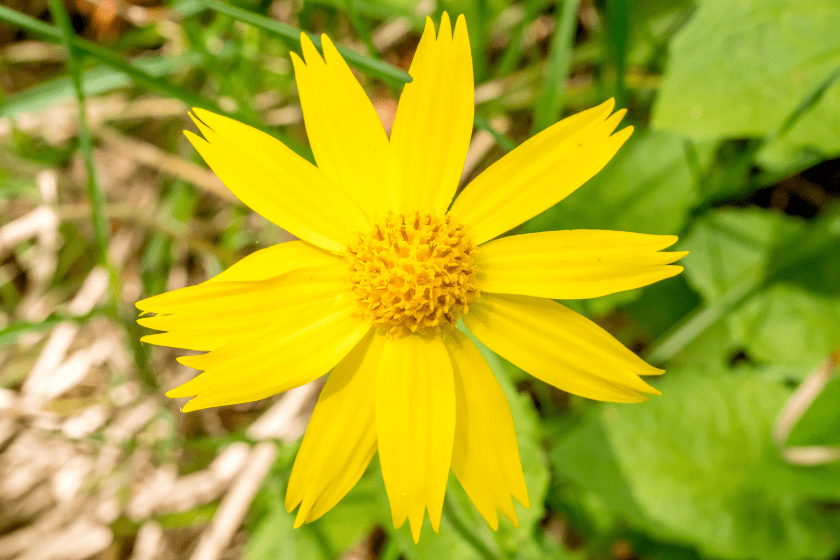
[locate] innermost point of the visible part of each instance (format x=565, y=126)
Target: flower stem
x=466, y=532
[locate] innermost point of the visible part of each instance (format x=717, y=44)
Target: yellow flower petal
x=485, y=457
x=539, y=173
x=415, y=424
x=560, y=347
x=212, y=314
x=574, y=264
x=276, y=260
x=276, y=182
x=344, y=131
x=340, y=439
x=434, y=119
x=291, y=352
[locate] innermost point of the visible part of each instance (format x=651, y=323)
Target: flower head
x=385, y=267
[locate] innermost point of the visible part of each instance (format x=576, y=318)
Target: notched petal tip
x=310, y=52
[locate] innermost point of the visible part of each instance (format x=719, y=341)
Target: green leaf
x=811, y=140
x=772, y=278
x=820, y=425
x=730, y=245
x=785, y=324
x=740, y=69
x=648, y=187
x=709, y=476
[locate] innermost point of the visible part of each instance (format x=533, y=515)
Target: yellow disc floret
x=413, y=273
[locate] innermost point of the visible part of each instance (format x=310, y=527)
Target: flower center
x=413, y=273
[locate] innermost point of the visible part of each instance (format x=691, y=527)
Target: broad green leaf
x=811, y=140
x=786, y=271
x=727, y=246
x=697, y=466
x=820, y=425
x=740, y=69
x=785, y=324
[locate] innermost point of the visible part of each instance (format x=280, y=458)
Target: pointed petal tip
x=178, y=393
x=192, y=406
x=297, y=62
x=300, y=519
x=415, y=530
x=188, y=361
x=195, y=139
x=290, y=504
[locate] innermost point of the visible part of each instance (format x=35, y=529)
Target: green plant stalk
x=99, y=219
x=513, y=50
x=365, y=64
x=502, y=140
x=550, y=102
x=146, y=80
x=465, y=532
x=361, y=28
x=383, y=70
x=477, y=18
x=107, y=56
x=616, y=38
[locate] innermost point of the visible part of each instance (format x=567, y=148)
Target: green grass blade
x=805, y=105
x=618, y=31
x=101, y=225
x=361, y=62
x=550, y=102
x=513, y=50
x=142, y=78
x=107, y=56
x=477, y=24
x=700, y=321
x=361, y=28
x=95, y=81
x=503, y=141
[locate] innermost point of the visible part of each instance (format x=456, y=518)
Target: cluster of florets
x=413, y=273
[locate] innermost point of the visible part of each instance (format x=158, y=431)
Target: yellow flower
x=384, y=269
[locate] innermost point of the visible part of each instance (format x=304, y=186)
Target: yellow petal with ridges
x=574, y=264
x=434, y=120
x=238, y=311
x=344, y=131
x=415, y=425
x=277, y=183
x=560, y=347
x=485, y=457
x=340, y=439
x=216, y=312
x=539, y=173
x=276, y=260
x=293, y=351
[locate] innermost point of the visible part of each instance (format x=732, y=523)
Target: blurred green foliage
x=736, y=106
